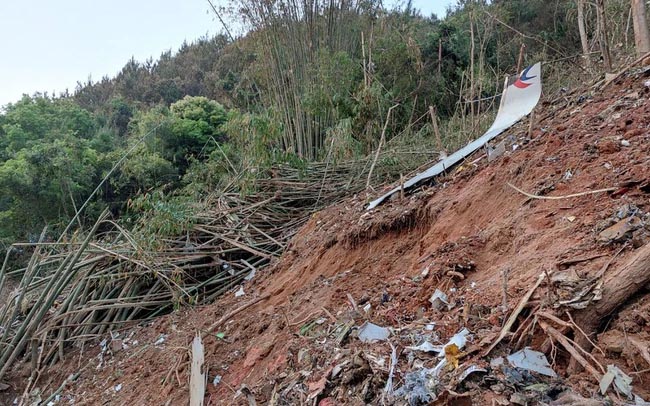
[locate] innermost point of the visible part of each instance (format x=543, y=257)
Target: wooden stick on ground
x=515, y=313
x=381, y=144
x=625, y=69
x=229, y=315
x=559, y=337
x=197, y=373
x=590, y=192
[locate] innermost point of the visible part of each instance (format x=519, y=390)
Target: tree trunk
x=641, y=33
x=618, y=287
x=583, y=32
x=602, y=34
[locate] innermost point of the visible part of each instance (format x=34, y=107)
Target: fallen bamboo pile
x=79, y=290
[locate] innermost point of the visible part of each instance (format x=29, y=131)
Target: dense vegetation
x=310, y=81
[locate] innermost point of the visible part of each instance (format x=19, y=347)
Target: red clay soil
x=459, y=236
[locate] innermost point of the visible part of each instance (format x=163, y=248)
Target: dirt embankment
x=471, y=236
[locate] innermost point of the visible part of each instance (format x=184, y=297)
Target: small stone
x=608, y=146
x=635, y=132
x=303, y=357
x=625, y=143
x=498, y=388
x=116, y=345
x=518, y=399
x=620, y=231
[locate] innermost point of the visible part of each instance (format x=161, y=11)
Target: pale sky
x=48, y=45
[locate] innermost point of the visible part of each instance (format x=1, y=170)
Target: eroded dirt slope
x=299, y=343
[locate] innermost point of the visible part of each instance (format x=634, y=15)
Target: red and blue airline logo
x=521, y=82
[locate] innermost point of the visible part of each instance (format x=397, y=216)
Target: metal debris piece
x=161, y=339
x=426, y=346
x=515, y=104
x=370, y=332
x=240, y=292
x=460, y=339
x=439, y=301
x=621, y=381
x=451, y=351
x=419, y=387
x=496, y=151
x=471, y=370
x=388, y=389
x=532, y=361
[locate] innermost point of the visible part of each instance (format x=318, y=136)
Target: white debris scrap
x=370, y=332
x=621, y=381
x=532, y=361
x=427, y=347
x=439, y=301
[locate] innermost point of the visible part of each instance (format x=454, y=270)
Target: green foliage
x=34, y=120
x=158, y=215
x=41, y=184
x=292, y=90
x=195, y=128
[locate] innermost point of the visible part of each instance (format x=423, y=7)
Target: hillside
x=209, y=226
x=293, y=337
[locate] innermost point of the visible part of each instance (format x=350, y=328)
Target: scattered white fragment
x=51, y=403
x=118, y=387
x=430, y=326
x=460, y=339
x=625, y=143
x=620, y=379
x=425, y=271
x=532, y=361
x=472, y=369
x=216, y=380
x=388, y=389
x=439, y=300
x=472, y=285
x=240, y=292
x=427, y=347
x=370, y=332
x=568, y=174
x=367, y=307
x=496, y=362
x=161, y=339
